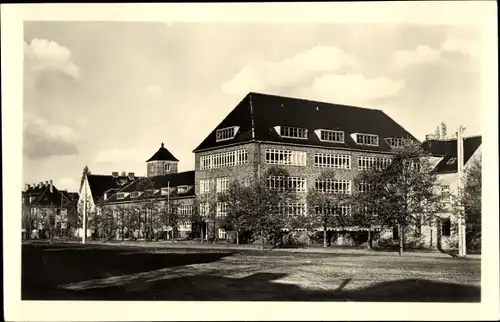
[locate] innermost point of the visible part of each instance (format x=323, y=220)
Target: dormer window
x=166, y=191
x=120, y=195
x=397, y=142
x=366, y=139
x=227, y=133
x=149, y=192
x=452, y=161
x=134, y=194
x=331, y=136
x=291, y=132
x=182, y=189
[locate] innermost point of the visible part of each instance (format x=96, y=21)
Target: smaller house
x=47, y=210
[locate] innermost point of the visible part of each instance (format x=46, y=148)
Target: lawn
x=92, y=272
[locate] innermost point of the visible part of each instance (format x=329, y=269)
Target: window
x=293, y=209
x=134, y=194
x=332, y=161
x=221, y=209
x=296, y=184
x=182, y=189
x=367, y=139
x=120, y=195
x=166, y=191
x=205, y=186
x=226, y=133
x=365, y=163
x=222, y=234
x=332, y=136
x=363, y=187
x=286, y=157
x=149, y=192
x=292, y=132
x=167, y=167
x=333, y=186
x=446, y=227
x=222, y=160
x=452, y=161
x=343, y=211
x=204, y=209
x=222, y=184
x=185, y=210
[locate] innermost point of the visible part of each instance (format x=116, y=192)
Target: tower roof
x=162, y=155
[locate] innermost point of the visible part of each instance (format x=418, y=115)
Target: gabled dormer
x=291, y=132
x=227, y=133
x=365, y=139
x=332, y=136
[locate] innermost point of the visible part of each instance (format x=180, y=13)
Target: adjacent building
x=305, y=137
x=47, y=209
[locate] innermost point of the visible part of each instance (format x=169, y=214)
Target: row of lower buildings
x=302, y=136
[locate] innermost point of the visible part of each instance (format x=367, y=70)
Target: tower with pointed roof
x=161, y=163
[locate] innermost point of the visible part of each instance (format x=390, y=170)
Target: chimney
x=115, y=174
x=51, y=187
x=131, y=176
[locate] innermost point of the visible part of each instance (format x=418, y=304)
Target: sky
x=107, y=94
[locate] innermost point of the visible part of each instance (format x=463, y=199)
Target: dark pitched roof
x=173, y=180
x=448, y=150
x=45, y=198
x=100, y=183
x=162, y=155
x=269, y=111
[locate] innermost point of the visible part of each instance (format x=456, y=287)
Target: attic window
x=397, y=142
x=332, y=136
x=227, y=133
x=134, y=194
x=166, y=191
x=292, y=132
x=120, y=195
x=182, y=189
x=149, y=192
x=452, y=161
x=367, y=139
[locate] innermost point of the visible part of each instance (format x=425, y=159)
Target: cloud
x=47, y=55
x=67, y=183
x=289, y=72
x=118, y=155
x=463, y=46
x=81, y=121
x=421, y=55
x=351, y=89
x=43, y=139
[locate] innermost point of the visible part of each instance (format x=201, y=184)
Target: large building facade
x=304, y=137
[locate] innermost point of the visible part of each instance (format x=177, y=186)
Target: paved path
x=318, y=250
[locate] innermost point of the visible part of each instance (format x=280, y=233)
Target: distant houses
x=48, y=212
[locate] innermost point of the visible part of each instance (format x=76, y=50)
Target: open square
x=97, y=272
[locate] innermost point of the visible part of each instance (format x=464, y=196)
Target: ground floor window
x=395, y=233
x=222, y=234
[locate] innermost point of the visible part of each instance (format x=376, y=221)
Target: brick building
x=163, y=188
x=304, y=137
x=45, y=206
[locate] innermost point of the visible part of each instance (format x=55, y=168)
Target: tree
x=325, y=207
x=147, y=205
x=405, y=192
x=236, y=217
x=208, y=202
x=265, y=205
x=471, y=201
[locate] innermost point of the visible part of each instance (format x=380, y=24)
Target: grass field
x=92, y=272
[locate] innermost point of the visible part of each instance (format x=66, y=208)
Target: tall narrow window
x=446, y=227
